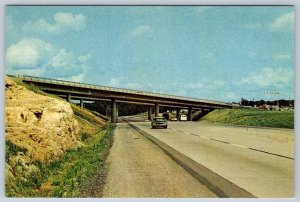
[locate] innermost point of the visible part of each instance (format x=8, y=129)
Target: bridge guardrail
x=123, y=90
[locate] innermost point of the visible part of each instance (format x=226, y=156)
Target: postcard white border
x=3, y=3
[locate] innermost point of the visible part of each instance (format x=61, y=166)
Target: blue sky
x=210, y=52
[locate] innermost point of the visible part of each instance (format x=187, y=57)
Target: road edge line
x=214, y=182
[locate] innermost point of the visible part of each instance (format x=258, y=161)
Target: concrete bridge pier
x=156, y=110
x=69, y=97
x=189, y=117
x=106, y=109
x=149, y=113
x=81, y=103
x=113, y=111
x=177, y=114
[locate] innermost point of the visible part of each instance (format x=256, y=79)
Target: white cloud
x=62, y=59
x=76, y=78
x=282, y=56
x=197, y=85
x=66, y=64
x=27, y=53
x=76, y=21
x=283, y=22
x=142, y=29
x=114, y=82
x=269, y=77
x=62, y=22
x=134, y=86
x=39, y=58
x=84, y=58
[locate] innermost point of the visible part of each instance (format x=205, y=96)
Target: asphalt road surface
x=258, y=160
x=139, y=168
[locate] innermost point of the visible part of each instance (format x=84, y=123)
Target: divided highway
x=259, y=161
x=138, y=168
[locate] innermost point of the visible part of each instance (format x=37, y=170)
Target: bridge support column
x=156, y=110
x=69, y=98
x=113, y=111
x=177, y=114
x=189, y=118
x=81, y=103
x=106, y=109
x=149, y=113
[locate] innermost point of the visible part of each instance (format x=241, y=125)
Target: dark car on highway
x=159, y=122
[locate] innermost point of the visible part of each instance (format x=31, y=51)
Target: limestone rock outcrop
x=43, y=125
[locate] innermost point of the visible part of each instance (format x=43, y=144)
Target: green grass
x=87, y=114
x=65, y=176
x=34, y=88
x=12, y=150
x=251, y=117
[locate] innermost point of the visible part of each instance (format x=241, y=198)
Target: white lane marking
x=239, y=145
x=204, y=137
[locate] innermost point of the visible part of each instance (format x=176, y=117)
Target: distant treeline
x=280, y=103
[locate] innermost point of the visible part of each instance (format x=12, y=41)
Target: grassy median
x=252, y=117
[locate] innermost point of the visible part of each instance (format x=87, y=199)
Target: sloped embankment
x=50, y=151
x=251, y=117
x=42, y=125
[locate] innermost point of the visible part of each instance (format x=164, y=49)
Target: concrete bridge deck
x=82, y=91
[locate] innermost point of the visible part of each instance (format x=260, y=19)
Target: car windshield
x=159, y=119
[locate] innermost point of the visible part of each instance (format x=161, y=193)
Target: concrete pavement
x=139, y=168
x=225, y=151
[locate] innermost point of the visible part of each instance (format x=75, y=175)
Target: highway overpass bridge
x=88, y=92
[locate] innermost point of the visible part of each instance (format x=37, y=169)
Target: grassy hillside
x=251, y=117
x=68, y=174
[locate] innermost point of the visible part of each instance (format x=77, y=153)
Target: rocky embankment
x=40, y=127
